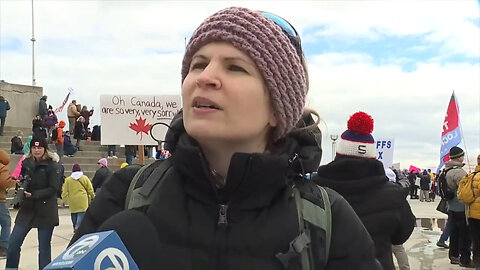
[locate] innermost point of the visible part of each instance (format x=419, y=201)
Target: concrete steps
x=91, y=152
x=84, y=145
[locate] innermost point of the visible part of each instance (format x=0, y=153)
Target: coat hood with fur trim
x=51, y=155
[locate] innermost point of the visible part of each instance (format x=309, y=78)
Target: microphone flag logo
x=96, y=251
x=112, y=255
x=81, y=247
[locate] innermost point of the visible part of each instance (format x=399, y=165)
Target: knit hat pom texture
x=360, y=123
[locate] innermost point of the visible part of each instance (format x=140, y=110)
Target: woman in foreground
x=243, y=141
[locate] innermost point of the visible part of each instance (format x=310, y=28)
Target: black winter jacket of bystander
x=41, y=209
x=100, y=176
x=380, y=204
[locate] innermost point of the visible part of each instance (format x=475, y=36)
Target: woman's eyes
x=236, y=68
x=199, y=65
x=230, y=67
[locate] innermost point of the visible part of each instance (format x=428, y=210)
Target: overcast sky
x=398, y=61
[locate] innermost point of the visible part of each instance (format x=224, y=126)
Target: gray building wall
x=23, y=100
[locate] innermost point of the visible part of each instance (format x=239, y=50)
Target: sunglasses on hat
x=284, y=24
x=287, y=28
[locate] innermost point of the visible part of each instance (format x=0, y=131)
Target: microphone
x=126, y=241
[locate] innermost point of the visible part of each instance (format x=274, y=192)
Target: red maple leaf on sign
x=141, y=126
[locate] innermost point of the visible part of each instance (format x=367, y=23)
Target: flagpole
x=461, y=131
x=33, y=49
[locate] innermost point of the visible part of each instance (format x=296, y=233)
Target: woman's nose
x=209, y=77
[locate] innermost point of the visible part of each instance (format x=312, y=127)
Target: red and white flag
x=59, y=109
x=451, y=135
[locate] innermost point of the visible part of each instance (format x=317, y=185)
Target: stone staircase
x=91, y=152
x=87, y=158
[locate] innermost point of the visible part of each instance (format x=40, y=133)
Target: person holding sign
x=234, y=193
x=72, y=114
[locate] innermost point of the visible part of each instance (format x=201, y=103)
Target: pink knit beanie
x=272, y=51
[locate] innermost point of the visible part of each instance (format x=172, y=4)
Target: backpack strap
x=302, y=242
x=133, y=184
x=320, y=217
x=317, y=216
x=328, y=215
x=141, y=196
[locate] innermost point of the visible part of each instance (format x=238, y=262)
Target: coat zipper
x=222, y=216
x=221, y=236
x=221, y=232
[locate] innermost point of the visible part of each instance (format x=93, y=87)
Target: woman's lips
x=204, y=104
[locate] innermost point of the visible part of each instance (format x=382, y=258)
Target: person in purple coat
x=50, y=123
x=86, y=115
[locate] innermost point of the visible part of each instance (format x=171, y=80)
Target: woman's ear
x=273, y=120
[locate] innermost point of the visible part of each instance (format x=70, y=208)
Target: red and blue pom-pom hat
x=357, y=140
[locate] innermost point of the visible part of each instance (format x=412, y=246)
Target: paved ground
x=422, y=251
x=60, y=239
x=421, y=248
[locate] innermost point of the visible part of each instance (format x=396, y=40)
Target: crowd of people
x=41, y=179
x=462, y=225
x=463, y=215
x=45, y=124
x=234, y=190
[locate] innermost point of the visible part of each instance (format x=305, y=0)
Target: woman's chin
x=201, y=132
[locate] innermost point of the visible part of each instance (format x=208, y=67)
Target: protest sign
x=127, y=119
x=385, y=151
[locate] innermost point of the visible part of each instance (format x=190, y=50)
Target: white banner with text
x=385, y=151
x=128, y=119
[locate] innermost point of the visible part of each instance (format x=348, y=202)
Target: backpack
x=446, y=193
x=54, y=135
x=465, y=192
x=312, y=201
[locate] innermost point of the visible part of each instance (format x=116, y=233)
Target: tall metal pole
x=334, y=148
x=33, y=49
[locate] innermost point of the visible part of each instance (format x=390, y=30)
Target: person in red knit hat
x=360, y=178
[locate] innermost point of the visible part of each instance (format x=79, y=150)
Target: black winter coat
x=425, y=182
x=17, y=145
x=38, y=128
x=79, y=131
x=261, y=219
x=96, y=133
x=100, y=176
x=130, y=150
x=412, y=177
x=380, y=204
x=42, y=107
x=40, y=210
